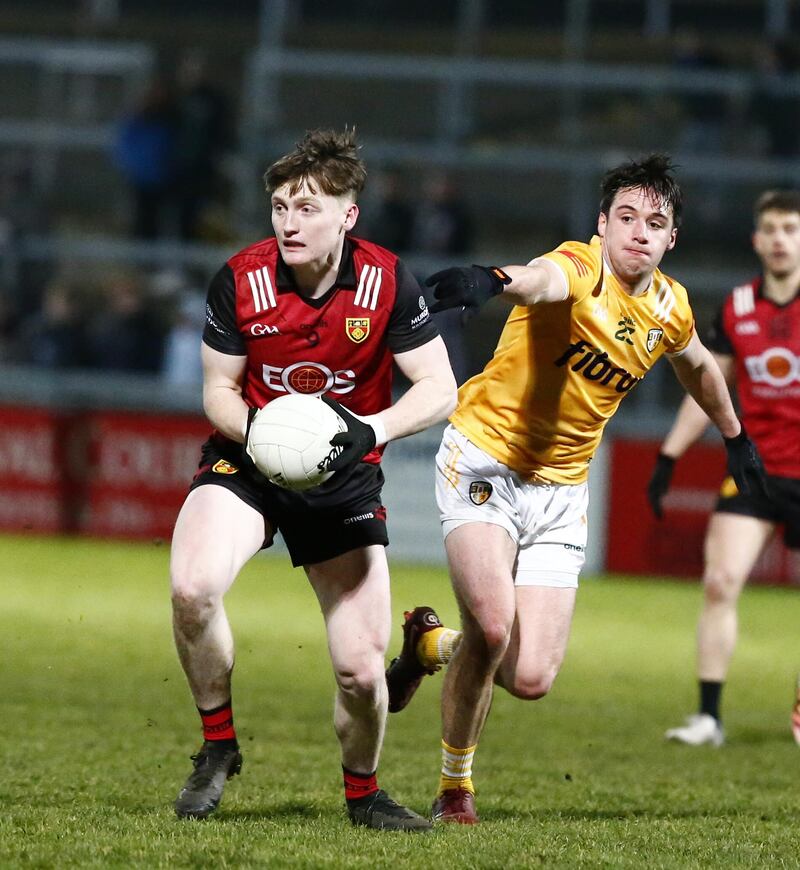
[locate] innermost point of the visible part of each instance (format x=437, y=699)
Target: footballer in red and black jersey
x=340, y=344
x=764, y=340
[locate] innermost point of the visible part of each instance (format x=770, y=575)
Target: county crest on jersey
x=561, y=369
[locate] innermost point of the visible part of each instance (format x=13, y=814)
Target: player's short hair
x=325, y=160
x=776, y=200
x=653, y=174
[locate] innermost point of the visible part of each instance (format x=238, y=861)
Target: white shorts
x=547, y=521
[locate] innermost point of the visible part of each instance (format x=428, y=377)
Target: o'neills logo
x=595, y=365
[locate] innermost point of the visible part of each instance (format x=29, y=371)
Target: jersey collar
x=345, y=277
x=608, y=273
x=758, y=292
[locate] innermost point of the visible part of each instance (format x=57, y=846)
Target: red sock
x=218, y=723
x=359, y=785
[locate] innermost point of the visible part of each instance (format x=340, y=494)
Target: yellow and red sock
x=218, y=723
x=359, y=785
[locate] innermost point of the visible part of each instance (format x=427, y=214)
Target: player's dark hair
x=326, y=161
x=653, y=174
x=777, y=200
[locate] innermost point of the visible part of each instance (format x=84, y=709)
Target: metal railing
x=270, y=125
x=64, y=114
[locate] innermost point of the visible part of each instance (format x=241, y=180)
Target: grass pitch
x=98, y=725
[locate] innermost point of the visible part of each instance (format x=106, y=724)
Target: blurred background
x=133, y=137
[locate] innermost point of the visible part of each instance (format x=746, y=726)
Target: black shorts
x=782, y=506
x=343, y=514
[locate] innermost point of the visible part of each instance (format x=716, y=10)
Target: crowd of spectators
x=169, y=150
x=112, y=320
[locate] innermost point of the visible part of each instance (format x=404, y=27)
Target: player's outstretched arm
x=472, y=286
x=223, y=375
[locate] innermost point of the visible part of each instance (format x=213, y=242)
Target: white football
x=289, y=441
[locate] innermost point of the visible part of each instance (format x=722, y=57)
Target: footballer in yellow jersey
x=560, y=370
x=589, y=321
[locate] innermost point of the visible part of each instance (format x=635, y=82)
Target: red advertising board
x=99, y=473
x=639, y=544
x=31, y=482
x=140, y=466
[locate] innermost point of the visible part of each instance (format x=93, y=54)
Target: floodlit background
x=133, y=137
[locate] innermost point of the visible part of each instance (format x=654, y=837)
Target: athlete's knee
x=362, y=679
x=490, y=636
x=530, y=685
x=721, y=585
x=195, y=598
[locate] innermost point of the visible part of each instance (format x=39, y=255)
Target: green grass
x=98, y=725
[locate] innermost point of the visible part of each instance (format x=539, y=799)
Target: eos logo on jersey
x=595, y=365
x=776, y=366
x=259, y=329
x=310, y=378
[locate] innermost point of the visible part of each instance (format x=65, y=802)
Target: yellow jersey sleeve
x=580, y=264
x=561, y=369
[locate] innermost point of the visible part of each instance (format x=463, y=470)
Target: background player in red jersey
x=316, y=311
x=756, y=340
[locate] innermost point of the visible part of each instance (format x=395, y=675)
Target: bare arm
x=704, y=377
x=431, y=396
x=541, y=281
x=691, y=420
x=429, y=399
x=225, y=408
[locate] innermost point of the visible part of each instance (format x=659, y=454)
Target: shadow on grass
x=761, y=736
x=286, y=811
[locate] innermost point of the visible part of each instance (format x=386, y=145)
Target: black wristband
x=736, y=439
x=663, y=459
x=501, y=276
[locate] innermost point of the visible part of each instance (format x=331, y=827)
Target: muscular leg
x=353, y=592
x=538, y=640
x=481, y=558
x=733, y=544
x=215, y=534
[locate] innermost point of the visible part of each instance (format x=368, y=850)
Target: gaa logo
x=308, y=378
x=480, y=491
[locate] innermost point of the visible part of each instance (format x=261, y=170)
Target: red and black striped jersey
x=341, y=344
x=764, y=340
